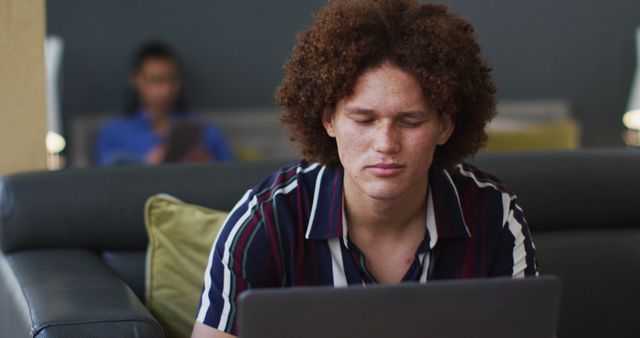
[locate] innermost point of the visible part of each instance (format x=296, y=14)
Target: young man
x=386, y=98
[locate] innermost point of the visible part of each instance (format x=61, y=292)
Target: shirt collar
x=445, y=218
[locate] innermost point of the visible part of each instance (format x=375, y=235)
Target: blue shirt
x=290, y=230
x=128, y=140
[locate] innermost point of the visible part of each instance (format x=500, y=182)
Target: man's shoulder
x=288, y=178
x=465, y=174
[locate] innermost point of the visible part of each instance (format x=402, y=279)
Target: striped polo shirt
x=290, y=230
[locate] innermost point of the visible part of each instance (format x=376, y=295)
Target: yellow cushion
x=543, y=136
x=180, y=238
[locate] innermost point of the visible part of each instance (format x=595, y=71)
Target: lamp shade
x=631, y=118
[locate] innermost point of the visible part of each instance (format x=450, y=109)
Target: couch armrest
x=68, y=293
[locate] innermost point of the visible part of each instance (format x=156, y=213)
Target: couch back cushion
x=571, y=190
x=101, y=209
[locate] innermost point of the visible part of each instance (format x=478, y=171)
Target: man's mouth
x=385, y=169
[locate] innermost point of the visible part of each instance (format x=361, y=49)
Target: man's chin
x=383, y=193
x=382, y=189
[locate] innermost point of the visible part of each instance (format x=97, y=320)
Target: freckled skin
x=388, y=91
x=386, y=135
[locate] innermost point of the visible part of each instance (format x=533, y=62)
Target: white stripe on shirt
x=204, y=300
x=337, y=265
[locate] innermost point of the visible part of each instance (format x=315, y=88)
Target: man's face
x=386, y=133
x=157, y=83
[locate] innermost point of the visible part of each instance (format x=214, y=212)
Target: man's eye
x=363, y=121
x=412, y=123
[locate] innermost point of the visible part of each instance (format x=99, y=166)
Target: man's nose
x=387, y=138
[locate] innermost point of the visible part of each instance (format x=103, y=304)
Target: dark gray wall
x=582, y=50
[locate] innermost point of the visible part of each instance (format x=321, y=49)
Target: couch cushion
x=101, y=208
x=129, y=266
x=600, y=272
x=71, y=293
x=571, y=190
x=180, y=239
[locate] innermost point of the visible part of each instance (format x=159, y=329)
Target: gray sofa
x=73, y=242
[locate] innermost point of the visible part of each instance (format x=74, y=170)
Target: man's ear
x=327, y=121
x=446, y=128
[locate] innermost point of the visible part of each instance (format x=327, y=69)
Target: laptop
x=478, y=308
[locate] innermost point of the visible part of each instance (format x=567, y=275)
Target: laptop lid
x=497, y=308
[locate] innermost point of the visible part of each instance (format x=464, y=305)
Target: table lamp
x=631, y=118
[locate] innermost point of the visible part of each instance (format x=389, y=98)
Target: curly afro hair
x=347, y=37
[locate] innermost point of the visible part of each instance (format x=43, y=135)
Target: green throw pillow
x=180, y=238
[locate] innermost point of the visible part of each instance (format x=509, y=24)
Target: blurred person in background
x=158, y=128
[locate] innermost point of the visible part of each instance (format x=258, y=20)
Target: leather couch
x=73, y=242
